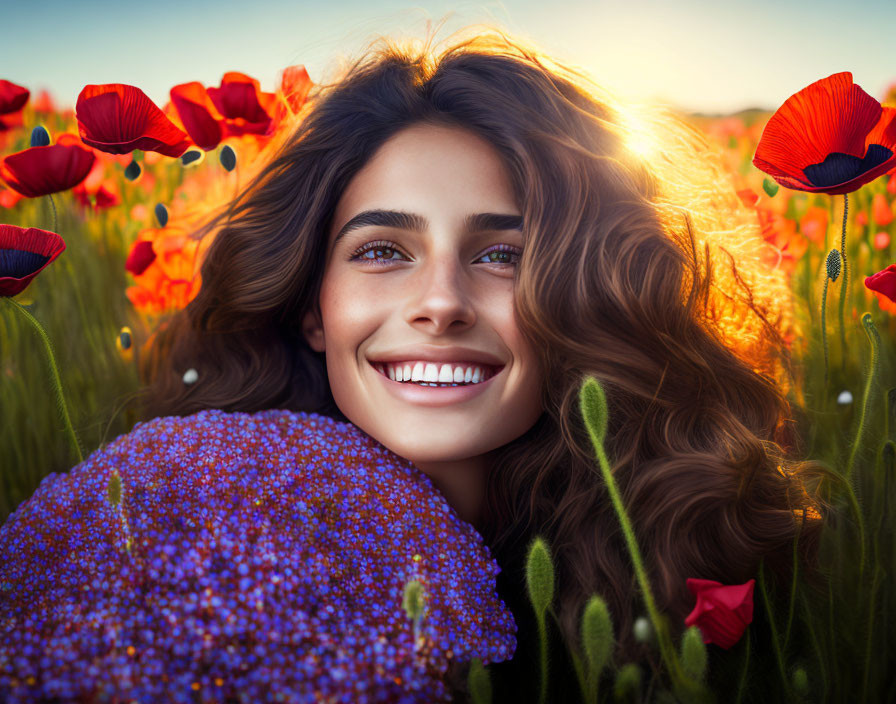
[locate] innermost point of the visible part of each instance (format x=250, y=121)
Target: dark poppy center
x=839, y=168
x=17, y=263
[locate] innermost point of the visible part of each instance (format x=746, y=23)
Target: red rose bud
x=722, y=612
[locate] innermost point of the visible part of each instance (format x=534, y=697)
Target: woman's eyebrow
x=475, y=222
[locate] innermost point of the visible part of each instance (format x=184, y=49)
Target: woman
x=489, y=209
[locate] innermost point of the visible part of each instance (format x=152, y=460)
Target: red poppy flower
x=198, y=114
x=44, y=102
x=140, y=258
x=884, y=282
x=117, y=119
x=11, y=120
x=830, y=137
x=24, y=253
x=246, y=109
x=294, y=86
x=9, y=197
x=12, y=97
x=722, y=612
x=39, y=171
x=880, y=208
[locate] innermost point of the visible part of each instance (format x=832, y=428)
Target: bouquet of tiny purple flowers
x=234, y=557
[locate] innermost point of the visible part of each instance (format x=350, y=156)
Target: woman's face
x=419, y=295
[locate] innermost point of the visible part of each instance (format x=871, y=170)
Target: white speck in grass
x=642, y=629
x=844, y=399
x=190, y=376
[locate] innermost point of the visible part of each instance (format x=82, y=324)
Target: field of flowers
x=96, y=204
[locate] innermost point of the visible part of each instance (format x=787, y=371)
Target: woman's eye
x=381, y=253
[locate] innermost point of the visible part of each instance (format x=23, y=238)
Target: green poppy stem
x=57, y=383
x=824, y=337
x=845, y=283
x=53, y=207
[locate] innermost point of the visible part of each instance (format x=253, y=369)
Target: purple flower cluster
x=235, y=557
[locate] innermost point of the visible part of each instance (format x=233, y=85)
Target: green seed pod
x=693, y=653
x=479, y=683
x=413, y=598
x=628, y=683
x=597, y=635
x=833, y=264
x=40, y=137
x=800, y=681
x=133, y=171
x=190, y=156
x=593, y=405
x=113, y=490
x=228, y=157
x=161, y=214
x=540, y=576
x=770, y=187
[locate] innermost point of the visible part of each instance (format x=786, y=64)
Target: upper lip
x=434, y=353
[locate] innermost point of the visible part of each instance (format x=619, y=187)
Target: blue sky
x=711, y=56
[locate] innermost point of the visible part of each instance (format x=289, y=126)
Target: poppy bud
x=161, y=214
x=133, y=171
x=40, y=137
x=478, y=682
x=628, y=682
x=800, y=681
x=191, y=156
x=412, y=600
x=833, y=264
x=540, y=576
x=113, y=490
x=228, y=158
x=124, y=339
x=770, y=187
x=693, y=653
x=597, y=635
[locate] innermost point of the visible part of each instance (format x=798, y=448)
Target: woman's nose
x=442, y=293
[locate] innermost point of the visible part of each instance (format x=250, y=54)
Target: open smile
x=424, y=395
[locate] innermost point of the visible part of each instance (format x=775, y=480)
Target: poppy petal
x=140, y=258
x=830, y=137
x=198, y=114
x=40, y=171
x=239, y=100
x=24, y=253
x=117, y=118
x=12, y=97
x=884, y=282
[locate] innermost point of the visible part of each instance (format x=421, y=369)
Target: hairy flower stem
x=870, y=385
x=779, y=657
x=57, y=383
x=793, y=582
x=591, y=399
x=53, y=207
x=743, y=673
x=824, y=337
x=845, y=283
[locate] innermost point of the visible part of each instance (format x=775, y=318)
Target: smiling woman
x=478, y=213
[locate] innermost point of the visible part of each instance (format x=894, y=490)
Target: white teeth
x=431, y=372
x=417, y=374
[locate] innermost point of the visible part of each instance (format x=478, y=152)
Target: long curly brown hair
x=641, y=268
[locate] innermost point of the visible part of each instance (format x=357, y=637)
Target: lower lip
x=435, y=395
